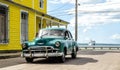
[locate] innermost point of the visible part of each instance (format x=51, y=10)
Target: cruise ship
x=91, y=43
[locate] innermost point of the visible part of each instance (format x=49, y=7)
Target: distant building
x=20, y=20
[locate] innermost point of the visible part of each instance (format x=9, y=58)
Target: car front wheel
x=62, y=58
x=29, y=60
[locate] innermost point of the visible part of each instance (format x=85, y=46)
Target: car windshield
x=53, y=32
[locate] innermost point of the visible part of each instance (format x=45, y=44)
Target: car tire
x=29, y=60
x=62, y=58
x=74, y=53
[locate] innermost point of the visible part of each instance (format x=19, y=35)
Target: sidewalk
x=10, y=55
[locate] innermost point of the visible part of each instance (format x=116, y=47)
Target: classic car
x=49, y=43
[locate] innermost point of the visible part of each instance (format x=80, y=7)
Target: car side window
x=70, y=35
x=66, y=34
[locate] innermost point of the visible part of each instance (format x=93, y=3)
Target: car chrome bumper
x=43, y=55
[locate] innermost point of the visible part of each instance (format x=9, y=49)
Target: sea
x=98, y=45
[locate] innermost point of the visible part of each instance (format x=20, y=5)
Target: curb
x=9, y=55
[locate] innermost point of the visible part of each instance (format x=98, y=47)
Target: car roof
x=55, y=29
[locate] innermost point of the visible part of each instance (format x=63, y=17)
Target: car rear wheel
x=29, y=60
x=74, y=53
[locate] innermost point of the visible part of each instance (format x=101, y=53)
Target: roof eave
x=43, y=14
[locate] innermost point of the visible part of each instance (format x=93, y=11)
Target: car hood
x=45, y=41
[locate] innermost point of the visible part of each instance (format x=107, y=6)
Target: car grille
x=40, y=49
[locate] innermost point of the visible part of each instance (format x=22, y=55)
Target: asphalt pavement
x=86, y=60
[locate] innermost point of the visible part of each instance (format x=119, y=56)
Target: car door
x=68, y=43
x=71, y=41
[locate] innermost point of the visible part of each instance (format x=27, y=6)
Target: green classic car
x=50, y=42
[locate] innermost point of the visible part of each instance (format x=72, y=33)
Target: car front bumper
x=44, y=52
x=42, y=55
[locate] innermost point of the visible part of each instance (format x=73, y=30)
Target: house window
x=3, y=24
x=41, y=3
x=24, y=26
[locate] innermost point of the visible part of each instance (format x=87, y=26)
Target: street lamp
x=76, y=20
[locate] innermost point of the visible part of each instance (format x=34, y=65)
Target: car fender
x=64, y=45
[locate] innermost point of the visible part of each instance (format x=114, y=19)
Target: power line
x=112, y=4
x=63, y=15
x=86, y=12
x=83, y=11
x=59, y=8
x=60, y=12
x=99, y=11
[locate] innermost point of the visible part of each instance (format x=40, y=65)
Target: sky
x=98, y=20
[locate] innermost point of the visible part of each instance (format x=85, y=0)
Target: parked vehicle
x=50, y=42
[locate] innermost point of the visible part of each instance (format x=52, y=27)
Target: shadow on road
x=80, y=61
x=69, y=61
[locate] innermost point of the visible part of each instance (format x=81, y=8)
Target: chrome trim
x=46, y=55
x=42, y=46
x=30, y=52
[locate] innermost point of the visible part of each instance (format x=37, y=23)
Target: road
x=86, y=60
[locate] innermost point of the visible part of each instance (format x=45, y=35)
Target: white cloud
x=115, y=36
x=91, y=15
x=73, y=1
x=86, y=29
x=84, y=40
x=116, y=1
x=89, y=21
x=89, y=1
x=97, y=8
x=62, y=1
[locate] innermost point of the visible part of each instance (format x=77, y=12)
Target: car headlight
x=24, y=46
x=57, y=44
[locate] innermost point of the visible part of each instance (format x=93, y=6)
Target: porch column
x=50, y=24
x=58, y=25
x=66, y=26
x=41, y=22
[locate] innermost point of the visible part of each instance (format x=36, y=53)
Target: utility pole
x=76, y=20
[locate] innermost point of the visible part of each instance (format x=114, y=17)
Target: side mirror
x=66, y=37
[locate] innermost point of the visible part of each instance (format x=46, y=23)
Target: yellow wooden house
x=20, y=20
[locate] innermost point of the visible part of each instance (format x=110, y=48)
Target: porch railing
x=99, y=48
